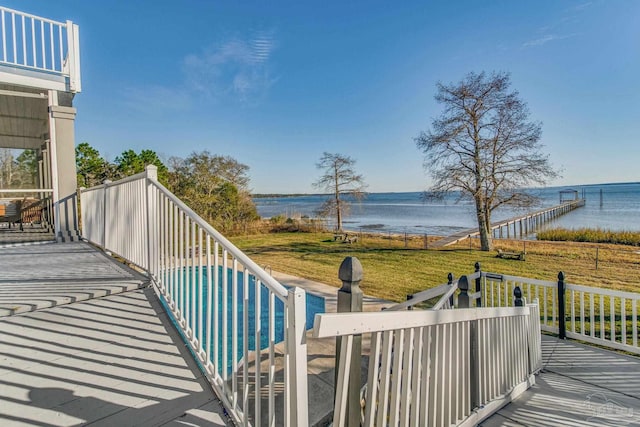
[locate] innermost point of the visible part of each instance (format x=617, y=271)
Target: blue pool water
x=314, y=304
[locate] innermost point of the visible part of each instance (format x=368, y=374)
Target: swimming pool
x=192, y=280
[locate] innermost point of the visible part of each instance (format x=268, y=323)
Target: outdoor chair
x=12, y=213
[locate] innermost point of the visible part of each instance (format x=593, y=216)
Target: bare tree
x=484, y=146
x=339, y=178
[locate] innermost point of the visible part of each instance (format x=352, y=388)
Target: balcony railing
x=34, y=44
x=239, y=321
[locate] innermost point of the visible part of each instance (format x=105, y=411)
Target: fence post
x=350, y=301
x=562, y=331
x=463, y=298
x=450, y=283
x=478, y=283
x=409, y=298
x=517, y=297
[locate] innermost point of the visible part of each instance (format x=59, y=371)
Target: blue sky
x=275, y=84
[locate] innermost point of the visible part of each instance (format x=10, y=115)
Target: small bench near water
x=345, y=237
x=511, y=255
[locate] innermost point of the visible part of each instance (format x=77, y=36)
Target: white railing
x=230, y=310
x=596, y=315
x=33, y=43
x=444, y=291
x=437, y=367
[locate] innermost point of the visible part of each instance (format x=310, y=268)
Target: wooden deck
x=93, y=345
x=99, y=350
x=580, y=385
x=13, y=236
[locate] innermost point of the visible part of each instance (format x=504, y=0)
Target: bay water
x=608, y=206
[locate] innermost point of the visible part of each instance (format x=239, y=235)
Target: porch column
x=63, y=167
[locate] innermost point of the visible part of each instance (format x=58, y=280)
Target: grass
x=394, y=267
x=592, y=235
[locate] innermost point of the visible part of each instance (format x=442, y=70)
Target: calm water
x=406, y=212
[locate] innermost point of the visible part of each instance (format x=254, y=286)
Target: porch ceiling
x=23, y=117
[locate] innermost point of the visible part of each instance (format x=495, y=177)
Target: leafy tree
x=215, y=187
x=484, y=146
x=27, y=168
x=130, y=163
x=7, y=168
x=92, y=169
x=339, y=178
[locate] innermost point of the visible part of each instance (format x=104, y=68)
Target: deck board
x=113, y=360
x=580, y=385
x=40, y=276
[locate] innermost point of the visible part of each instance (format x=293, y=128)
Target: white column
x=63, y=168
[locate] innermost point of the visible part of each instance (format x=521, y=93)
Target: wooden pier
x=515, y=227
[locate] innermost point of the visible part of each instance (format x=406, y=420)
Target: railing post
x=463, y=299
x=296, y=390
x=152, y=243
x=104, y=214
x=350, y=301
x=478, y=283
x=450, y=283
x=517, y=297
x=562, y=331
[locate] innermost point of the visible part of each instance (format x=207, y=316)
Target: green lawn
x=394, y=268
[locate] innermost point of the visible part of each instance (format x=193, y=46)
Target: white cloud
x=233, y=70
x=238, y=68
x=540, y=41
x=546, y=39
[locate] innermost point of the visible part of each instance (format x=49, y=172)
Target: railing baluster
x=634, y=322
x=612, y=318
x=258, y=347
x=216, y=306
x=33, y=41
x=385, y=373
x=272, y=367
x=210, y=305
x=592, y=322
x=623, y=321
x=193, y=283
x=200, y=291
x=61, y=48
x=234, y=334
x=416, y=379
x=225, y=314
x=396, y=378
x=44, y=53
x=602, y=314
x=24, y=42
x=4, y=38
x=182, y=271
x=53, y=56
x=573, y=312
x=13, y=33
x=372, y=387
x=245, y=345
x=582, y=318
